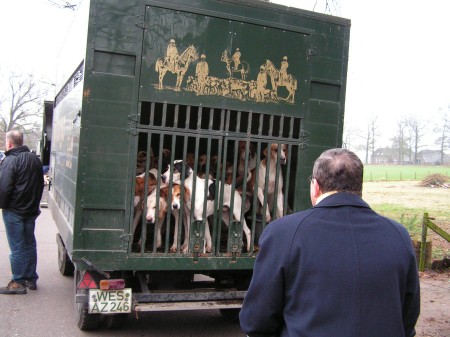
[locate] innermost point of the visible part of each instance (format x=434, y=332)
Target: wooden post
x=423, y=242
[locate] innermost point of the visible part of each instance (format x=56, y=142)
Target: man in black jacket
x=21, y=186
x=338, y=269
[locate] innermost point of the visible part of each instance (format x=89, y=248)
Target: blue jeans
x=22, y=243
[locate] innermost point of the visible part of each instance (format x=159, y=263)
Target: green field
x=402, y=172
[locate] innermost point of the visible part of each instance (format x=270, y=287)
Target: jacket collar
x=17, y=149
x=342, y=199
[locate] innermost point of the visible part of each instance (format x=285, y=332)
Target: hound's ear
x=187, y=195
x=139, y=184
x=265, y=151
x=164, y=192
x=162, y=211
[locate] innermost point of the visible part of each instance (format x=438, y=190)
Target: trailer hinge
x=132, y=131
x=304, y=136
x=312, y=51
x=140, y=21
x=197, y=238
x=126, y=237
x=133, y=117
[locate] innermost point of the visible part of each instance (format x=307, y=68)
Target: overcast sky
x=399, y=61
x=398, y=64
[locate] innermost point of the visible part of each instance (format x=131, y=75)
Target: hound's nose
x=175, y=206
x=163, y=178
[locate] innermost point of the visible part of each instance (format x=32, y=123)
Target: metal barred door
x=237, y=189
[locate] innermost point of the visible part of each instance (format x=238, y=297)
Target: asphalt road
x=49, y=311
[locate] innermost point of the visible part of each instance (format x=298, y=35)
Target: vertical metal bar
x=144, y=211
x=169, y=196
x=206, y=192
x=266, y=184
x=423, y=244
x=277, y=174
x=289, y=164
x=220, y=169
x=182, y=183
x=171, y=183
x=152, y=113
x=220, y=195
x=164, y=115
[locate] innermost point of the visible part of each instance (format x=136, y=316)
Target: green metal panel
x=98, y=114
x=219, y=39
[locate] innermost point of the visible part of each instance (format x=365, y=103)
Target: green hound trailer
x=179, y=131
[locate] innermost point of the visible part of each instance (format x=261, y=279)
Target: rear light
x=87, y=282
x=112, y=284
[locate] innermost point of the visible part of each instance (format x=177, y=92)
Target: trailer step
x=176, y=306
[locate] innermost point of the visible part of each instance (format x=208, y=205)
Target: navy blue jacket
x=21, y=182
x=336, y=270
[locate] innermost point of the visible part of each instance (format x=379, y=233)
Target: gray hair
x=339, y=170
x=15, y=137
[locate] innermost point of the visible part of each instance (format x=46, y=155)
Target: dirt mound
x=435, y=180
x=441, y=264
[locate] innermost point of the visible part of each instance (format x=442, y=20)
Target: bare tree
x=369, y=138
x=63, y=4
x=400, y=141
x=21, y=106
x=349, y=134
x=443, y=129
x=373, y=134
x=416, y=132
x=331, y=7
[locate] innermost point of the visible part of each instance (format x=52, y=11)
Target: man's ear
x=314, y=192
x=316, y=188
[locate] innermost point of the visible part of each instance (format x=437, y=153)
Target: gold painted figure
x=236, y=59
x=201, y=72
x=181, y=66
x=261, y=83
x=275, y=77
x=172, y=55
x=237, y=88
x=283, y=70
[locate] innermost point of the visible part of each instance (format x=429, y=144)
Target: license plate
x=109, y=301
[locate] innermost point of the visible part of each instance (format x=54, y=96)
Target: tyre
x=65, y=265
x=115, y=321
x=85, y=321
x=230, y=314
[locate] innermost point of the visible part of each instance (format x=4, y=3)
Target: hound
x=175, y=206
x=151, y=215
x=270, y=163
x=141, y=159
x=139, y=188
x=199, y=202
x=139, y=197
x=237, y=207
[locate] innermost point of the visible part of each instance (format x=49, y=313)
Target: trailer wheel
x=115, y=321
x=230, y=314
x=65, y=265
x=85, y=321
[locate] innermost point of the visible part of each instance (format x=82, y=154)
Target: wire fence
x=402, y=172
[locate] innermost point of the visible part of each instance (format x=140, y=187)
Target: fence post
x=423, y=244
